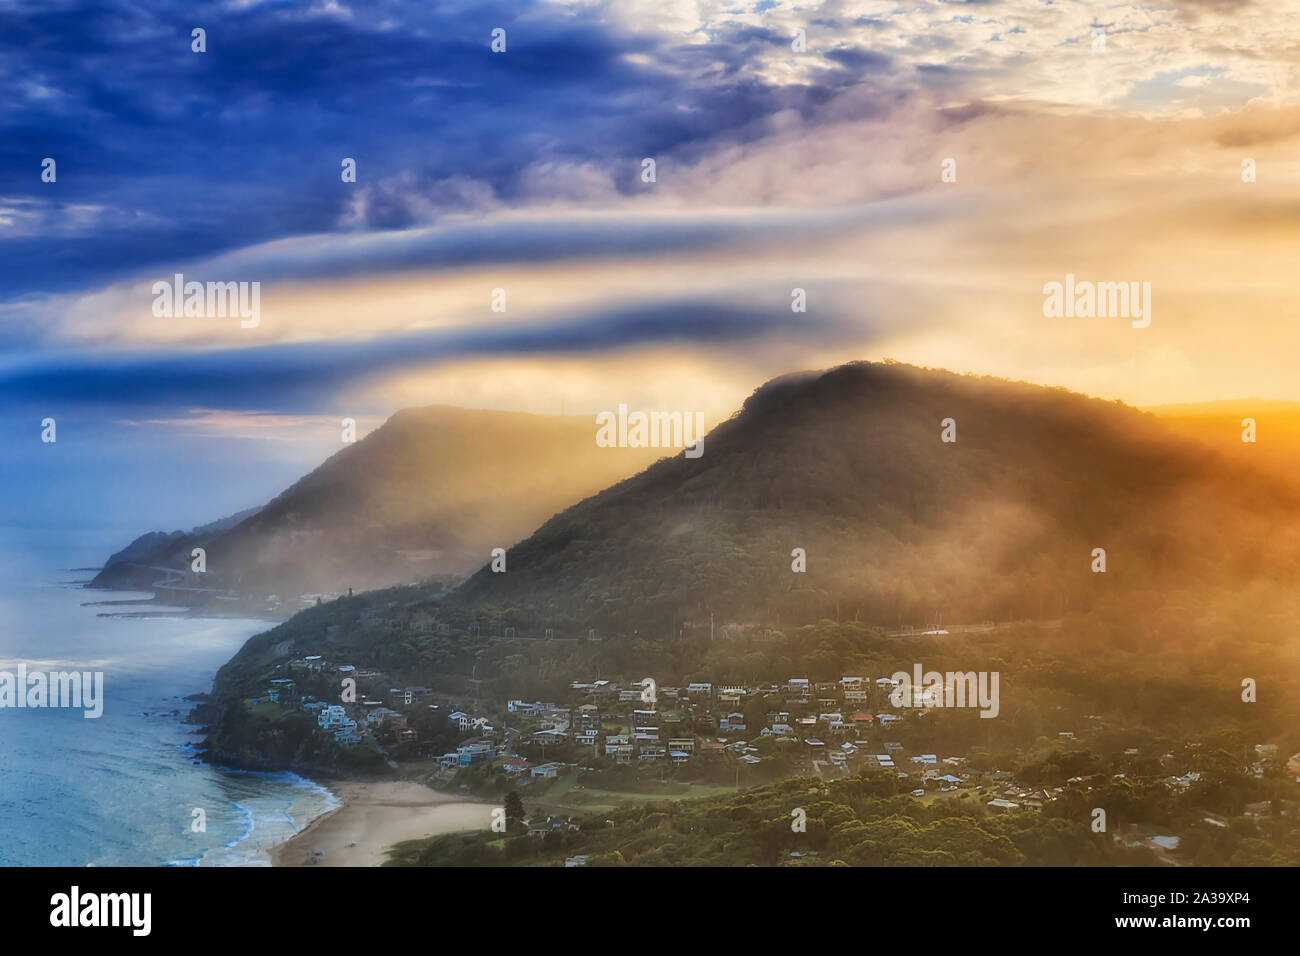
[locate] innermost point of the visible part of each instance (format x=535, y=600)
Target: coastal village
x=697, y=733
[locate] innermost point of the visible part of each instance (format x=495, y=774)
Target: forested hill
x=897, y=524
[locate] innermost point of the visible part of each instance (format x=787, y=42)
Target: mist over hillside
x=429, y=493
x=1255, y=432
x=897, y=524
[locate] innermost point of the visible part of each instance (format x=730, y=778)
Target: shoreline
x=371, y=817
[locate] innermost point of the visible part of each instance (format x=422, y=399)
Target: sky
x=1115, y=142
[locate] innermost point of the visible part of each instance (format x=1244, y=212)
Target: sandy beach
x=372, y=818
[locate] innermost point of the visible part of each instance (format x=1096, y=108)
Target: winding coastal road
x=172, y=576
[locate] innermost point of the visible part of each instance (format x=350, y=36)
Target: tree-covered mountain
x=898, y=525
x=900, y=528
x=429, y=493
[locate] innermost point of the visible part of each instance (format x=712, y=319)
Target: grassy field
x=267, y=711
x=560, y=797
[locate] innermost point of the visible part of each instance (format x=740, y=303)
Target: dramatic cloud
x=1108, y=141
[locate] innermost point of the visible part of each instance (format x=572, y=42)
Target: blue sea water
x=121, y=790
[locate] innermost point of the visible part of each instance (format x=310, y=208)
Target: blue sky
x=172, y=154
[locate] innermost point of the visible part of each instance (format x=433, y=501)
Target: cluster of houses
x=642, y=723
x=348, y=724
x=823, y=726
x=333, y=719
x=654, y=724
x=673, y=725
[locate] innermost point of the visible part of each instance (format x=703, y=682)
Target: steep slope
x=430, y=492
x=898, y=525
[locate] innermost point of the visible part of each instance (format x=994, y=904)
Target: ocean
x=122, y=790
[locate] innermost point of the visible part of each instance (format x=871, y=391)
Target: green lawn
x=271, y=712
x=596, y=800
